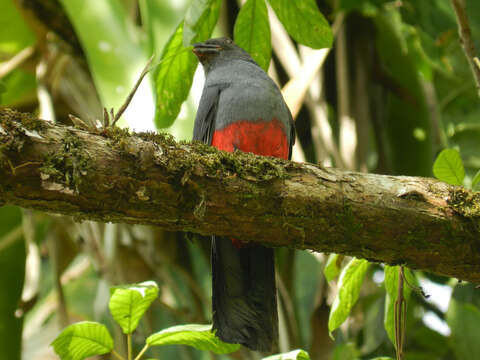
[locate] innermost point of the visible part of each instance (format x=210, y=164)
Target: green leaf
x=252, y=31
x=333, y=266
x=200, y=20
x=298, y=354
x=476, y=180
x=12, y=274
x=391, y=288
x=304, y=22
x=200, y=337
x=346, y=351
x=349, y=285
x=174, y=76
x=448, y=167
x=81, y=340
x=129, y=303
x=173, y=79
x=463, y=318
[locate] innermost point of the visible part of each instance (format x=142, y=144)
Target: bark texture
x=111, y=175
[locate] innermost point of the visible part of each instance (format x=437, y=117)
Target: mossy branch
x=112, y=175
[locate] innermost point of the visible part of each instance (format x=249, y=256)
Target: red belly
x=262, y=138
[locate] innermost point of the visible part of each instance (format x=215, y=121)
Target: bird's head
x=219, y=49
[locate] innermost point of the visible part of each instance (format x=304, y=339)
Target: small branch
x=466, y=39
x=122, y=109
x=16, y=61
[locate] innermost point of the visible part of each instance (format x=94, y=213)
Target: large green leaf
x=15, y=34
x=349, y=285
x=298, y=354
x=201, y=17
x=463, y=317
x=128, y=303
x=173, y=78
x=12, y=265
x=391, y=288
x=81, y=340
x=304, y=22
x=200, y=337
x=113, y=52
x=174, y=75
x=252, y=31
x=448, y=167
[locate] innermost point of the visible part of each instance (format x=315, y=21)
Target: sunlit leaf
x=174, y=75
x=252, y=31
x=304, y=22
x=391, y=288
x=448, y=167
x=81, y=340
x=129, y=303
x=201, y=17
x=333, y=266
x=298, y=354
x=349, y=285
x=200, y=337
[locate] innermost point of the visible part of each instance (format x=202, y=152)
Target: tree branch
x=144, y=178
x=466, y=39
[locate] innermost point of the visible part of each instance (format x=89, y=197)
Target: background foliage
x=394, y=91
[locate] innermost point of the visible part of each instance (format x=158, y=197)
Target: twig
x=400, y=316
x=17, y=60
x=141, y=352
x=466, y=39
x=145, y=71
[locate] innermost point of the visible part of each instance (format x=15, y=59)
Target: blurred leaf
x=16, y=35
x=304, y=22
x=174, y=76
x=464, y=321
x=382, y=358
x=83, y=339
x=252, y=31
x=349, y=285
x=298, y=354
x=448, y=167
x=391, y=288
x=476, y=180
x=128, y=303
x=200, y=337
x=333, y=266
x=407, y=113
x=345, y=352
x=113, y=53
x=12, y=265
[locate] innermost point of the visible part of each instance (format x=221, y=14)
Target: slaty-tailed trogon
x=241, y=108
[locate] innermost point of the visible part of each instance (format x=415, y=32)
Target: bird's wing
x=206, y=113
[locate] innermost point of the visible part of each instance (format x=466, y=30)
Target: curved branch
x=111, y=175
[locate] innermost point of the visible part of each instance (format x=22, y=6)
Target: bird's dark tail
x=244, y=294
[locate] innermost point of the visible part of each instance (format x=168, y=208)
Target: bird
x=241, y=108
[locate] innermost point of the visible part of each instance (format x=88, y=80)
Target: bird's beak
x=202, y=49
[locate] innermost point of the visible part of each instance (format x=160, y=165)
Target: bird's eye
x=229, y=41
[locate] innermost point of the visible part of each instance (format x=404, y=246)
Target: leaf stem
x=129, y=345
x=117, y=355
x=141, y=352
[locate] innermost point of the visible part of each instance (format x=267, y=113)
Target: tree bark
x=111, y=175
